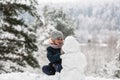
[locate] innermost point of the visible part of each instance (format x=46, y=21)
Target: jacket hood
x=71, y=45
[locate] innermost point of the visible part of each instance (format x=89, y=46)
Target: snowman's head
x=71, y=45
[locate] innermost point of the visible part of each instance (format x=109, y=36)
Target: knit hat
x=56, y=34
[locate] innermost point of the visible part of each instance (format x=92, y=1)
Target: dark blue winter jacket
x=53, y=55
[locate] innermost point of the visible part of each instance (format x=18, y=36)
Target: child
x=53, y=53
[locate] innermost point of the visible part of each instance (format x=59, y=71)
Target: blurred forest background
x=25, y=26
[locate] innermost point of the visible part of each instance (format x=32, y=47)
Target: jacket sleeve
x=52, y=58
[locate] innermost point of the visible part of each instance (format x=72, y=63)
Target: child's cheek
x=56, y=42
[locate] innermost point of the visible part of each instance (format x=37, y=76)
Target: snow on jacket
x=73, y=61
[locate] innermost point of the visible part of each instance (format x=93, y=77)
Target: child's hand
x=62, y=52
x=53, y=65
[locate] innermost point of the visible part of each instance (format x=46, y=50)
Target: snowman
x=73, y=60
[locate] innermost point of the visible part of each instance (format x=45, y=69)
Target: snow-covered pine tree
x=112, y=69
x=17, y=38
x=117, y=72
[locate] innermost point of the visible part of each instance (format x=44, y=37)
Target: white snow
x=73, y=61
x=98, y=78
x=35, y=76
x=118, y=44
x=72, y=53
x=85, y=22
x=19, y=76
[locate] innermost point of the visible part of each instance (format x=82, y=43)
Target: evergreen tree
x=17, y=38
x=112, y=69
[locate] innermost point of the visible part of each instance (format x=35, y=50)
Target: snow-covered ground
x=41, y=76
x=35, y=76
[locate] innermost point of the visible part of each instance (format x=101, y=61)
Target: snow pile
x=19, y=76
x=73, y=61
x=98, y=78
x=34, y=76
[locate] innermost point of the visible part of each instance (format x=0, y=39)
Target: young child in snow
x=53, y=54
x=73, y=61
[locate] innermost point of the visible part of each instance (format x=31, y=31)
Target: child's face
x=58, y=41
